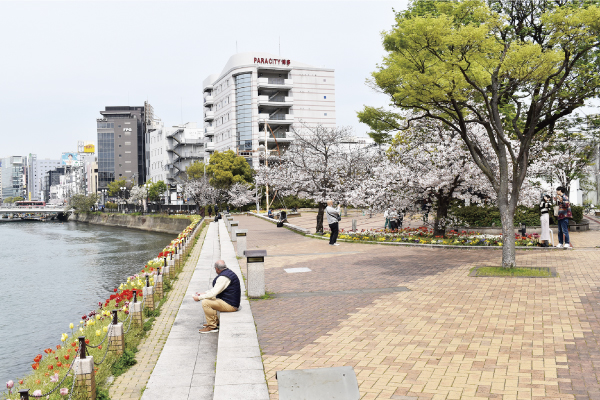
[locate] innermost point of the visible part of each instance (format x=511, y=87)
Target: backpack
x=280, y=224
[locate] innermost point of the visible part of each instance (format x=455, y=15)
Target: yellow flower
x=98, y=316
x=81, y=330
x=71, y=325
x=98, y=332
x=105, y=329
x=64, y=337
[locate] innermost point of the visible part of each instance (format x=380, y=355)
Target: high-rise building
x=14, y=177
x=259, y=95
x=36, y=169
x=121, y=145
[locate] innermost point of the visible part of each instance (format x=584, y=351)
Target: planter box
x=496, y=230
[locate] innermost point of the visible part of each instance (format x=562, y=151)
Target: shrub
x=577, y=213
x=479, y=216
x=111, y=206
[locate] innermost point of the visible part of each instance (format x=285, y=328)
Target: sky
x=63, y=62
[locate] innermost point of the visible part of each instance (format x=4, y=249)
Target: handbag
x=339, y=217
x=556, y=211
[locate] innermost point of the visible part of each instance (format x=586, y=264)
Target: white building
x=172, y=150
x=258, y=88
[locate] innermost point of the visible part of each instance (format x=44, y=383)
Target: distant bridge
x=33, y=210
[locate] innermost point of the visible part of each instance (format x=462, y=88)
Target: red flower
x=50, y=366
x=58, y=347
x=99, y=347
x=37, y=381
x=48, y=351
x=115, y=290
x=87, y=341
x=73, y=344
x=59, y=364
x=35, y=366
x=37, y=358
x=67, y=356
x=84, y=317
x=21, y=382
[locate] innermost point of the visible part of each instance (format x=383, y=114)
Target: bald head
x=220, y=265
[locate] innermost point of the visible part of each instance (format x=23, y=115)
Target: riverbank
x=142, y=222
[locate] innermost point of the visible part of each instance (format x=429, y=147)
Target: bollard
x=148, y=292
x=84, y=368
x=229, y=219
x=24, y=394
x=240, y=236
x=354, y=225
x=158, y=284
x=255, y=268
x=233, y=225
x=116, y=338
x=135, y=309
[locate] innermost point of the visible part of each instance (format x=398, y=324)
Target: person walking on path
x=386, y=215
x=210, y=210
x=564, y=213
x=225, y=296
x=545, y=207
x=399, y=220
x=393, y=216
x=333, y=218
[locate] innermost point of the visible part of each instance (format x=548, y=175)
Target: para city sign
x=272, y=61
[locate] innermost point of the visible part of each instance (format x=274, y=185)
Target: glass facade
x=106, y=157
x=243, y=112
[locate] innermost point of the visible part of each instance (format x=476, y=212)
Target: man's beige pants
x=210, y=310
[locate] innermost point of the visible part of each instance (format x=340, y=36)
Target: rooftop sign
x=272, y=61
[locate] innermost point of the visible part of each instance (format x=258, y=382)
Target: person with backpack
x=333, y=219
x=564, y=214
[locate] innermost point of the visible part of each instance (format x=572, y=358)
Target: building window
x=325, y=114
x=324, y=97
x=324, y=80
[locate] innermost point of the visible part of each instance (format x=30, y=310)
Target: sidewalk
x=186, y=367
x=449, y=336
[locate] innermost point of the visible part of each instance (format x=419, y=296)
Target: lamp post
x=122, y=193
x=147, y=187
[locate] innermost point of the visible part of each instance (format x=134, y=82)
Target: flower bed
x=425, y=235
x=53, y=369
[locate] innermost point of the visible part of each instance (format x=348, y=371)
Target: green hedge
x=476, y=216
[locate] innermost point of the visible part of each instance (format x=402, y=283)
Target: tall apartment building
x=258, y=91
x=121, y=145
x=172, y=150
x=14, y=177
x=36, y=169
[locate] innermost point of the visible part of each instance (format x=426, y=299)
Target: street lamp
x=147, y=187
x=123, y=188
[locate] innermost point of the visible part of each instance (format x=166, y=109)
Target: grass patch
x=126, y=361
x=524, y=272
x=266, y=296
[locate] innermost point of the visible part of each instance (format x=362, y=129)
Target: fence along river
x=52, y=274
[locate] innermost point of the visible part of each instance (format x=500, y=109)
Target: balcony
x=208, y=88
x=276, y=119
x=277, y=101
x=275, y=83
x=209, y=131
x=208, y=100
x=209, y=115
x=210, y=146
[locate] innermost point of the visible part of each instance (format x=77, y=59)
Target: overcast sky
x=62, y=62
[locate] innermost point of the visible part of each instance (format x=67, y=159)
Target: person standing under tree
x=545, y=207
x=386, y=215
x=564, y=214
x=333, y=218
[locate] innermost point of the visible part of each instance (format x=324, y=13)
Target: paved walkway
x=449, y=337
x=186, y=367
x=131, y=384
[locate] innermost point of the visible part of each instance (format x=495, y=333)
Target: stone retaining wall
x=155, y=224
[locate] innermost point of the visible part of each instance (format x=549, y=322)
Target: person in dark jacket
x=225, y=296
x=564, y=214
x=210, y=210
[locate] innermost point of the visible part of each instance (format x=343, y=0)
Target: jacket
x=332, y=214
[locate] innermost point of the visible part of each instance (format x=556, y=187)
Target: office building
x=14, y=177
x=121, y=145
x=36, y=169
x=260, y=95
x=172, y=150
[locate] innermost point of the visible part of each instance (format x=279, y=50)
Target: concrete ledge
x=240, y=371
x=145, y=223
x=295, y=228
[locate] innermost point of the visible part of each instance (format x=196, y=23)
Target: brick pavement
x=131, y=384
x=449, y=337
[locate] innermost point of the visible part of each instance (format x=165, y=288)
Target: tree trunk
x=443, y=205
x=320, y=215
x=508, y=236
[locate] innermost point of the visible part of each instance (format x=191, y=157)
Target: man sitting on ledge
x=224, y=296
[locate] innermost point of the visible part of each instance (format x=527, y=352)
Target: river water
x=52, y=273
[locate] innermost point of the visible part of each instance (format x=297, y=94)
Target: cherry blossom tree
x=200, y=191
x=241, y=194
x=320, y=164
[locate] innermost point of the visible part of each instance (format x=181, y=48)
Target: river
x=52, y=273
